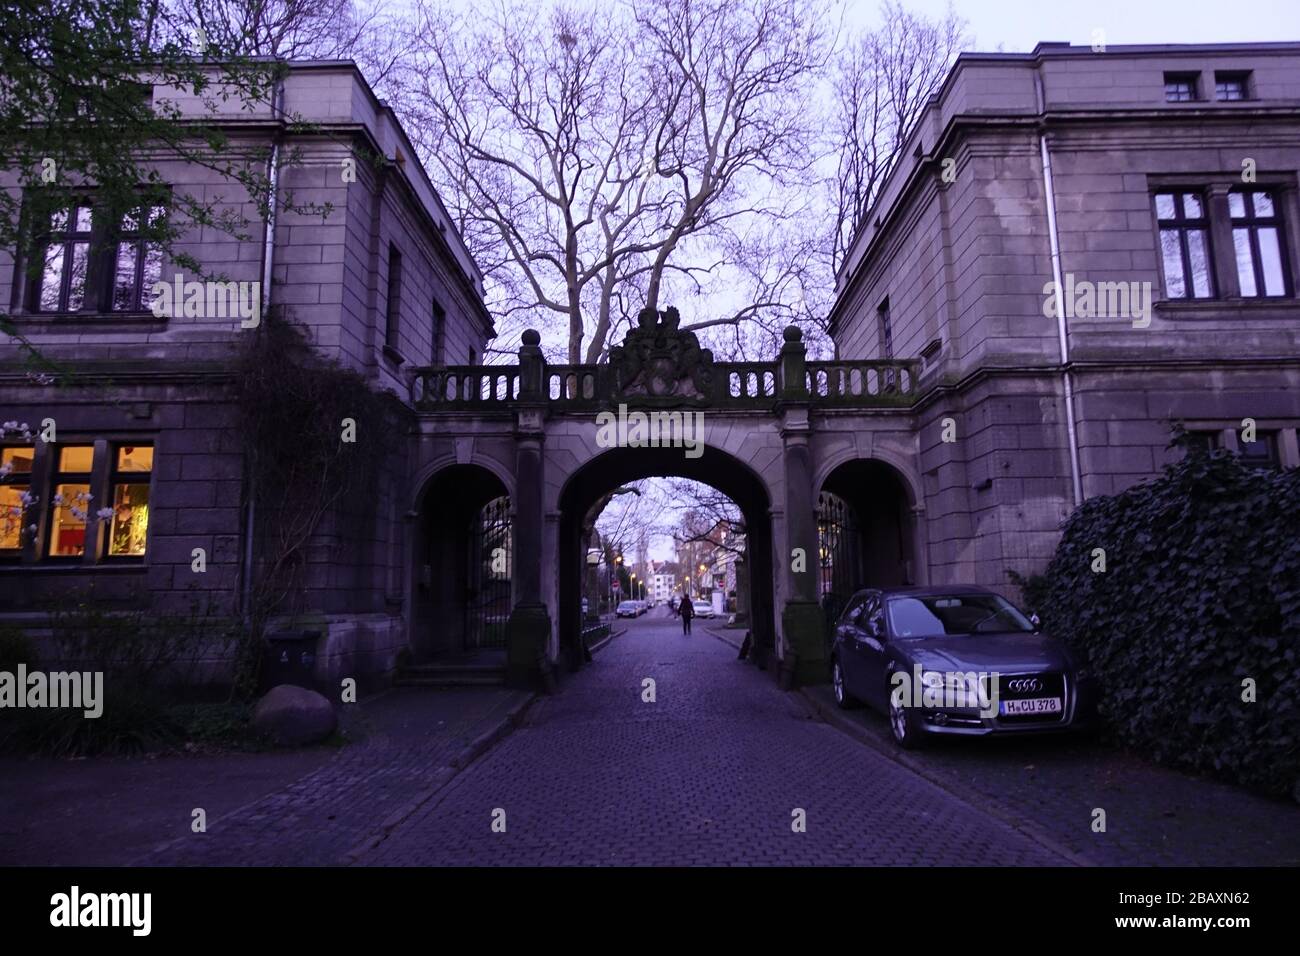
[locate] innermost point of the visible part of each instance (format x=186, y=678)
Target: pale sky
x=1017, y=25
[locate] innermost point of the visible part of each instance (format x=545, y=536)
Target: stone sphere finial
x=532, y=337
x=793, y=333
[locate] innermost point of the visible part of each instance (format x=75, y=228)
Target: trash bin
x=290, y=658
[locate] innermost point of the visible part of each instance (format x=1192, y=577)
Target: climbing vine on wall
x=315, y=435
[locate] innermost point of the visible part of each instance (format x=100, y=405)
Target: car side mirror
x=1034, y=620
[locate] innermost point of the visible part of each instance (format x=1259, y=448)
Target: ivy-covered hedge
x=1199, y=597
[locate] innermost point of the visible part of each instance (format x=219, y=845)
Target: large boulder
x=294, y=716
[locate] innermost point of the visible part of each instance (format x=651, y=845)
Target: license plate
x=1032, y=705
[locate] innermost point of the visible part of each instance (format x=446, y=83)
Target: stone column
x=742, y=591
x=529, y=628
x=802, y=623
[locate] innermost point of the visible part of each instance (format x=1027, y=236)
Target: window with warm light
x=70, y=501
x=15, y=498
x=129, y=498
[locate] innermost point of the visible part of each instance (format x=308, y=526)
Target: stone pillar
x=742, y=591
x=802, y=621
x=529, y=628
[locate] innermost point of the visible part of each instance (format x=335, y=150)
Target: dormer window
x=1230, y=87
x=1181, y=87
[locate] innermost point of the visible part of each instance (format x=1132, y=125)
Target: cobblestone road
x=712, y=772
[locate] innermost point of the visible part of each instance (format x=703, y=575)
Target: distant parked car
x=627, y=609
x=927, y=659
x=702, y=608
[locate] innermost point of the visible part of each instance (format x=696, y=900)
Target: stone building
x=382, y=283
x=1156, y=186
x=967, y=411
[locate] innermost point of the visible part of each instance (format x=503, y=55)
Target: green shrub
x=1201, y=591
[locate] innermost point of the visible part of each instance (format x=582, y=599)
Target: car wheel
x=903, y=723
x=843, y=699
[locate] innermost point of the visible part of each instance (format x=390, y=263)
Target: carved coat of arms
x=661, y=363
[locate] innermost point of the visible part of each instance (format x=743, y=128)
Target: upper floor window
x=1181, y=87
x=65, y=259
x=1231, y=86
x=886, y=331
x=438, y=331
x=1184, y=245
x=92, y=261
x=1258, y=243
x=137, y=264
x=394, y=307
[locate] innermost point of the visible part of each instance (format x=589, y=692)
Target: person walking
x=687, y=611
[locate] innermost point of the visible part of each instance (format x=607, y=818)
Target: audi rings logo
x=1024, y=685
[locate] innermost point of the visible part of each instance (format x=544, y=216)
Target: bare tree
x=616, y=157
x=882, y=84
x=303, y=29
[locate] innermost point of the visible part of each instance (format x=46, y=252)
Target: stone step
x=452, y=680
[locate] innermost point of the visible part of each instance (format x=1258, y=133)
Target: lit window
x=15, y=498
x=129, y=495
x=1258, y=243
x=1184, y=245
x=71, y=501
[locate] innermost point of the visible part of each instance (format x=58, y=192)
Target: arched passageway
x=866, y=531
x=463, y=567
x=620, y=466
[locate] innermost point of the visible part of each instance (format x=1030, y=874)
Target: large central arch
x=618, y=466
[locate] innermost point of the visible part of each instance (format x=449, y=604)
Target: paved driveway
x=718, y=769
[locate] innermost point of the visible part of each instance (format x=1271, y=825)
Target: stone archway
x=867, y=514
x=619, y=466
x=455, y=579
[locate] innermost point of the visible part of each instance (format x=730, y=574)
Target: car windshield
x=942, y=615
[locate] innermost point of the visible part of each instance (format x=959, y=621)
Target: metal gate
x=491, y=558
x=839, y=550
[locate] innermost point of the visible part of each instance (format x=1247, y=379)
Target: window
x=1231, y=86
x=137, y=264
x=1181, y=87
x=1262, y=452
x=95, y=499
x=1184, y=245
x=439, y=326
x=1257, y=241
x=1204, y=440
x=93, y=260
x=392, y=316
x=886, y=341
x=129, y=497
x=886, y=330
x=65, y=259
x=70, y=502
x=15, y=498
